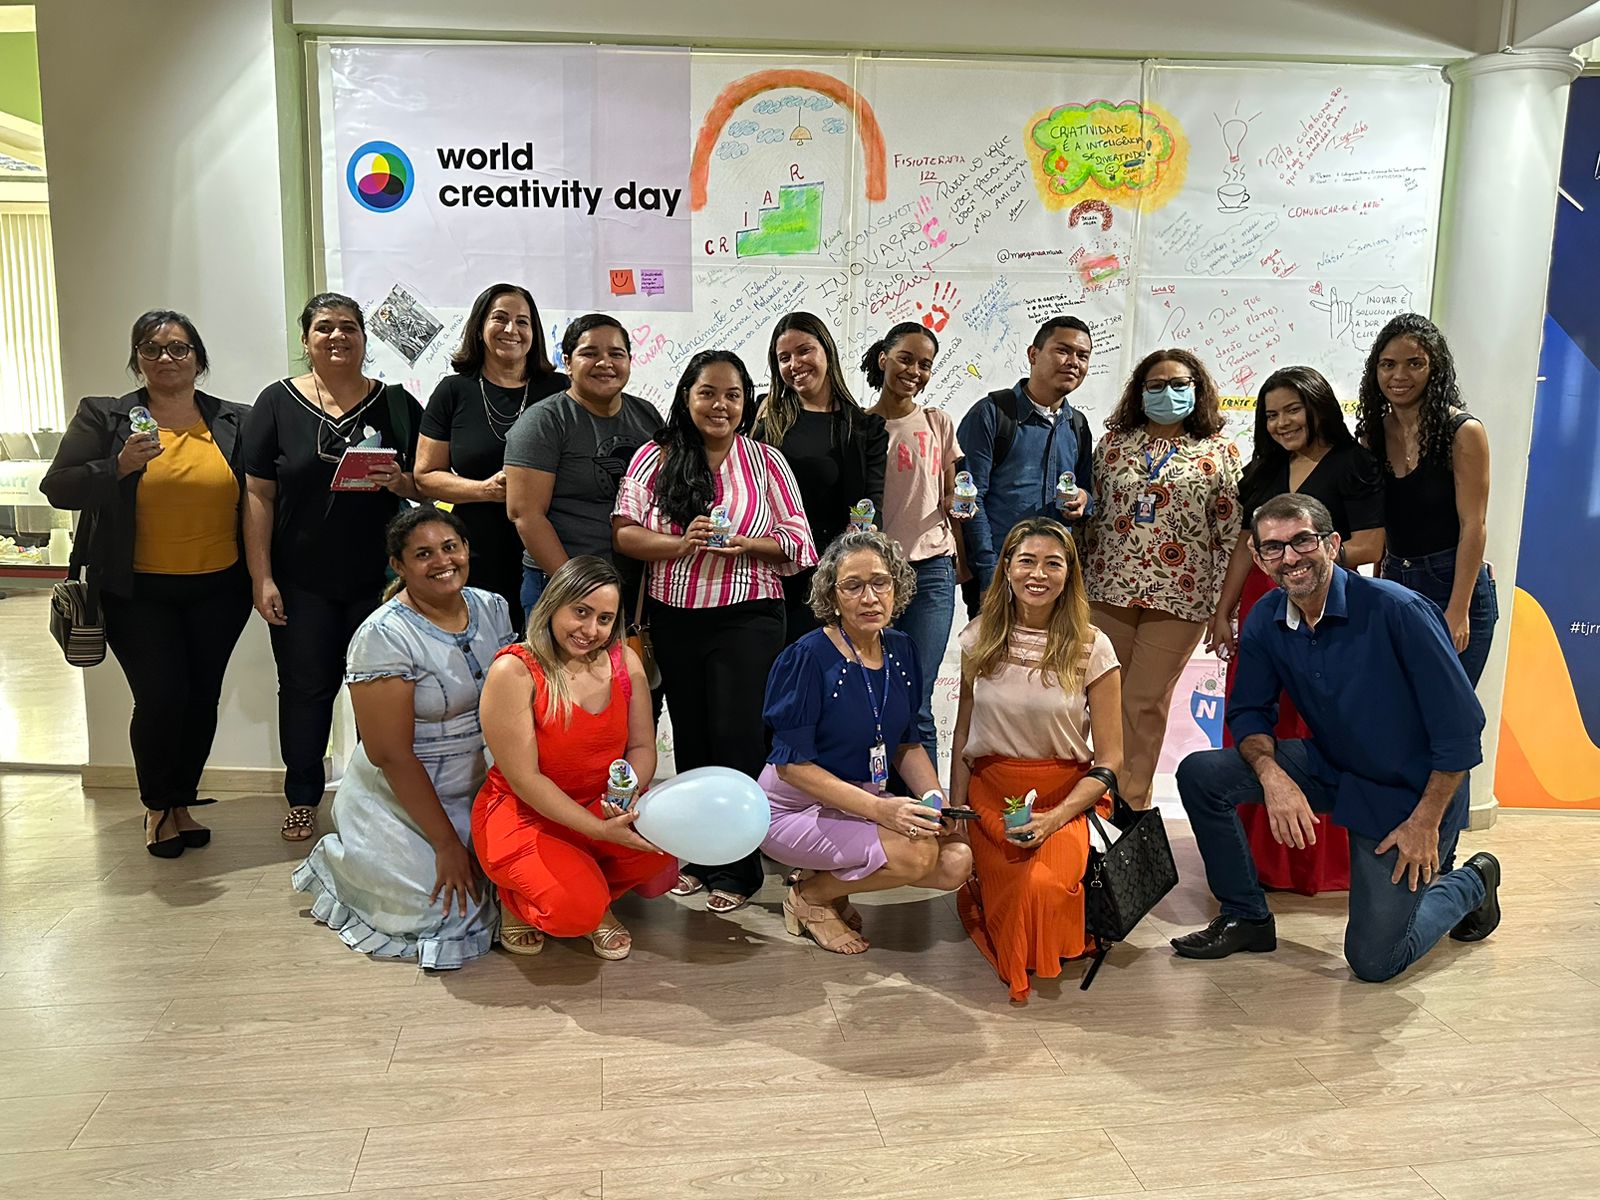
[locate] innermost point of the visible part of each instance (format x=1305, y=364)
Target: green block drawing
x=794, y=227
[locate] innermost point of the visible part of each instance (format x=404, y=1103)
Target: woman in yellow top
x=158, y=538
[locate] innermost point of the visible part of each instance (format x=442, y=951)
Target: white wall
x=162, y=127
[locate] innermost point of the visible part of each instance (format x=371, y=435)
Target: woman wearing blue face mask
x=1166, y=518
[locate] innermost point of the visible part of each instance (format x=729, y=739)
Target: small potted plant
x=1018, y=810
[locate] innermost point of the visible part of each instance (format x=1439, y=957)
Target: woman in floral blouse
x=1166, y=516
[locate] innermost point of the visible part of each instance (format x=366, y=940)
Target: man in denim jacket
x=1019, y=440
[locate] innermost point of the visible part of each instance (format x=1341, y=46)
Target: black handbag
x=1125, y=881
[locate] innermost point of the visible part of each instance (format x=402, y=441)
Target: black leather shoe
x=1228, y=935
x=1481, y=921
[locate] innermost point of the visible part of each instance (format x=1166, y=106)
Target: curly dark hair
x=1205, y=420
x=1441, y=394
x=869, y=360
x=1324, y=422
x=685, y=488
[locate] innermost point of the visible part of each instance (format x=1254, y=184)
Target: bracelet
x=1106, y=776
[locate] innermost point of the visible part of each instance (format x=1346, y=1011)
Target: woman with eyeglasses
x=500, y=370
x=1166, y=519
x=842, y=704
x=158, y=535
x=565, y=458
x=838, y=452
x=316, y=553
x=1039, y=724
x=397, y=878
x=715, y=594
x=1302, y=444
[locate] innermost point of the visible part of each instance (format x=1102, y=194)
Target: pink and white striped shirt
x=762, y=499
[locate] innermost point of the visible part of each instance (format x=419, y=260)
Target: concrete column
x=1507, y=117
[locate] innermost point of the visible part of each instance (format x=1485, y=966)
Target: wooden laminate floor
x=182, y=1030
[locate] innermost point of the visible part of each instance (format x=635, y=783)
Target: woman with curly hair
x=1166, y=518
x=842, y=704
x=715, y=594
x=1040, y=712
x=1434, y=456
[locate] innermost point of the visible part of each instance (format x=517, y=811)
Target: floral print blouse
x=1174, y=563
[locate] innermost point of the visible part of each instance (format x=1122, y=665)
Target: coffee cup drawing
x=1232, y=197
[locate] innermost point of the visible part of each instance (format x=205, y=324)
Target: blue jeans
x=1390, y=926
x=927, y=621
x=533, y=581
x=1434, y=575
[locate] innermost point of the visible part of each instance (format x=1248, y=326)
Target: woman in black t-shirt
x=501, y=368
x=837, y=451
x=1301, y=445
x=316, y=555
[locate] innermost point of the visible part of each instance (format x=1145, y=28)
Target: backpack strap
x=1005, y=425
x=394, y=397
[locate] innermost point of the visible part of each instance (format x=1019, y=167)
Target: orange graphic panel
x=741, y=90
x=1546, y=758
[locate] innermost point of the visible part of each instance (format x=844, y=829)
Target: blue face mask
x=1170, y=405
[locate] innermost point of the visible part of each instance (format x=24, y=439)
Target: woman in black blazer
x=159, y=539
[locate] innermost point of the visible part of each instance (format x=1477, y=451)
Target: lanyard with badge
x=878, y=756
x=1144, y=508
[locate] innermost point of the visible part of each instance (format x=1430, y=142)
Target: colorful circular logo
x=380, y=177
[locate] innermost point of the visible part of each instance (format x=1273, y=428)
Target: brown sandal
x=300, y=824
x=812, y=920
x=517, y=936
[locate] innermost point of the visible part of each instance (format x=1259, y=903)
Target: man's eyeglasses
x=1154, y=387
x=1302, y=543
x=176, y=351
x=881, y=585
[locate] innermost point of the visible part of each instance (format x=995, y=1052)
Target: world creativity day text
x=531, y=193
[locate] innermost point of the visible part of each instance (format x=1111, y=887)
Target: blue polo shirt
x=1380, y=687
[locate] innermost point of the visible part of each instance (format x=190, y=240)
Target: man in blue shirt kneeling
x=1395, y=727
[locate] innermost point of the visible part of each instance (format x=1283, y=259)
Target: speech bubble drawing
x=1123, y=153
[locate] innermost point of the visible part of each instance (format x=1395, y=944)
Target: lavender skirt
x=806, y=834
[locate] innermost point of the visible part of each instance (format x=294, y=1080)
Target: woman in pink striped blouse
x=716, y=611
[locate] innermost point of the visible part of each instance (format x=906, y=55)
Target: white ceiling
x=1364, y=30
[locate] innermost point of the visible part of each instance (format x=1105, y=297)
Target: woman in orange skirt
x=557, y=710
x=1040, y=686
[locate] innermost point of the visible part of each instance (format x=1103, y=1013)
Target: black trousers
x=173, y=637
x=714, y=665
x=798, y=618
x=310, y=652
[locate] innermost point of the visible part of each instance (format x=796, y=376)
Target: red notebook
x=354, y=472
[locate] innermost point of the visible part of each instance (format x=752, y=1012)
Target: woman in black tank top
x=1434, y=456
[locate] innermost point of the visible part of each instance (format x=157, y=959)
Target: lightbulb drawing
x=1233, y=131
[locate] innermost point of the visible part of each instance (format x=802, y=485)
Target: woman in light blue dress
x=397, y=878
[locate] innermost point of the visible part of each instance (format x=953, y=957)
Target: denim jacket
x=1024, y=484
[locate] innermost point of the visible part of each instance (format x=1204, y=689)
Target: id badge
x=1144, y=510
x=878, y=760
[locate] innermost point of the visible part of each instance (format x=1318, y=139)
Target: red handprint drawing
x=943, y=305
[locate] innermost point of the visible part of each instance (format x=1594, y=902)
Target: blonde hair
x=575, y=579
x=1068, y=633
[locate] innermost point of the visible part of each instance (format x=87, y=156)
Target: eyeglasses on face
x=881, y=585
x=1154, y=387
x=177, y=351
x=1301, y=543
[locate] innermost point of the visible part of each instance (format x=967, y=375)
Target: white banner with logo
x=559, y=167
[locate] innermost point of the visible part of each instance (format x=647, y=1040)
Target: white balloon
x=708, y=816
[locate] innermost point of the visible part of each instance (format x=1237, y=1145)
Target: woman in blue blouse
x=842, y=705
